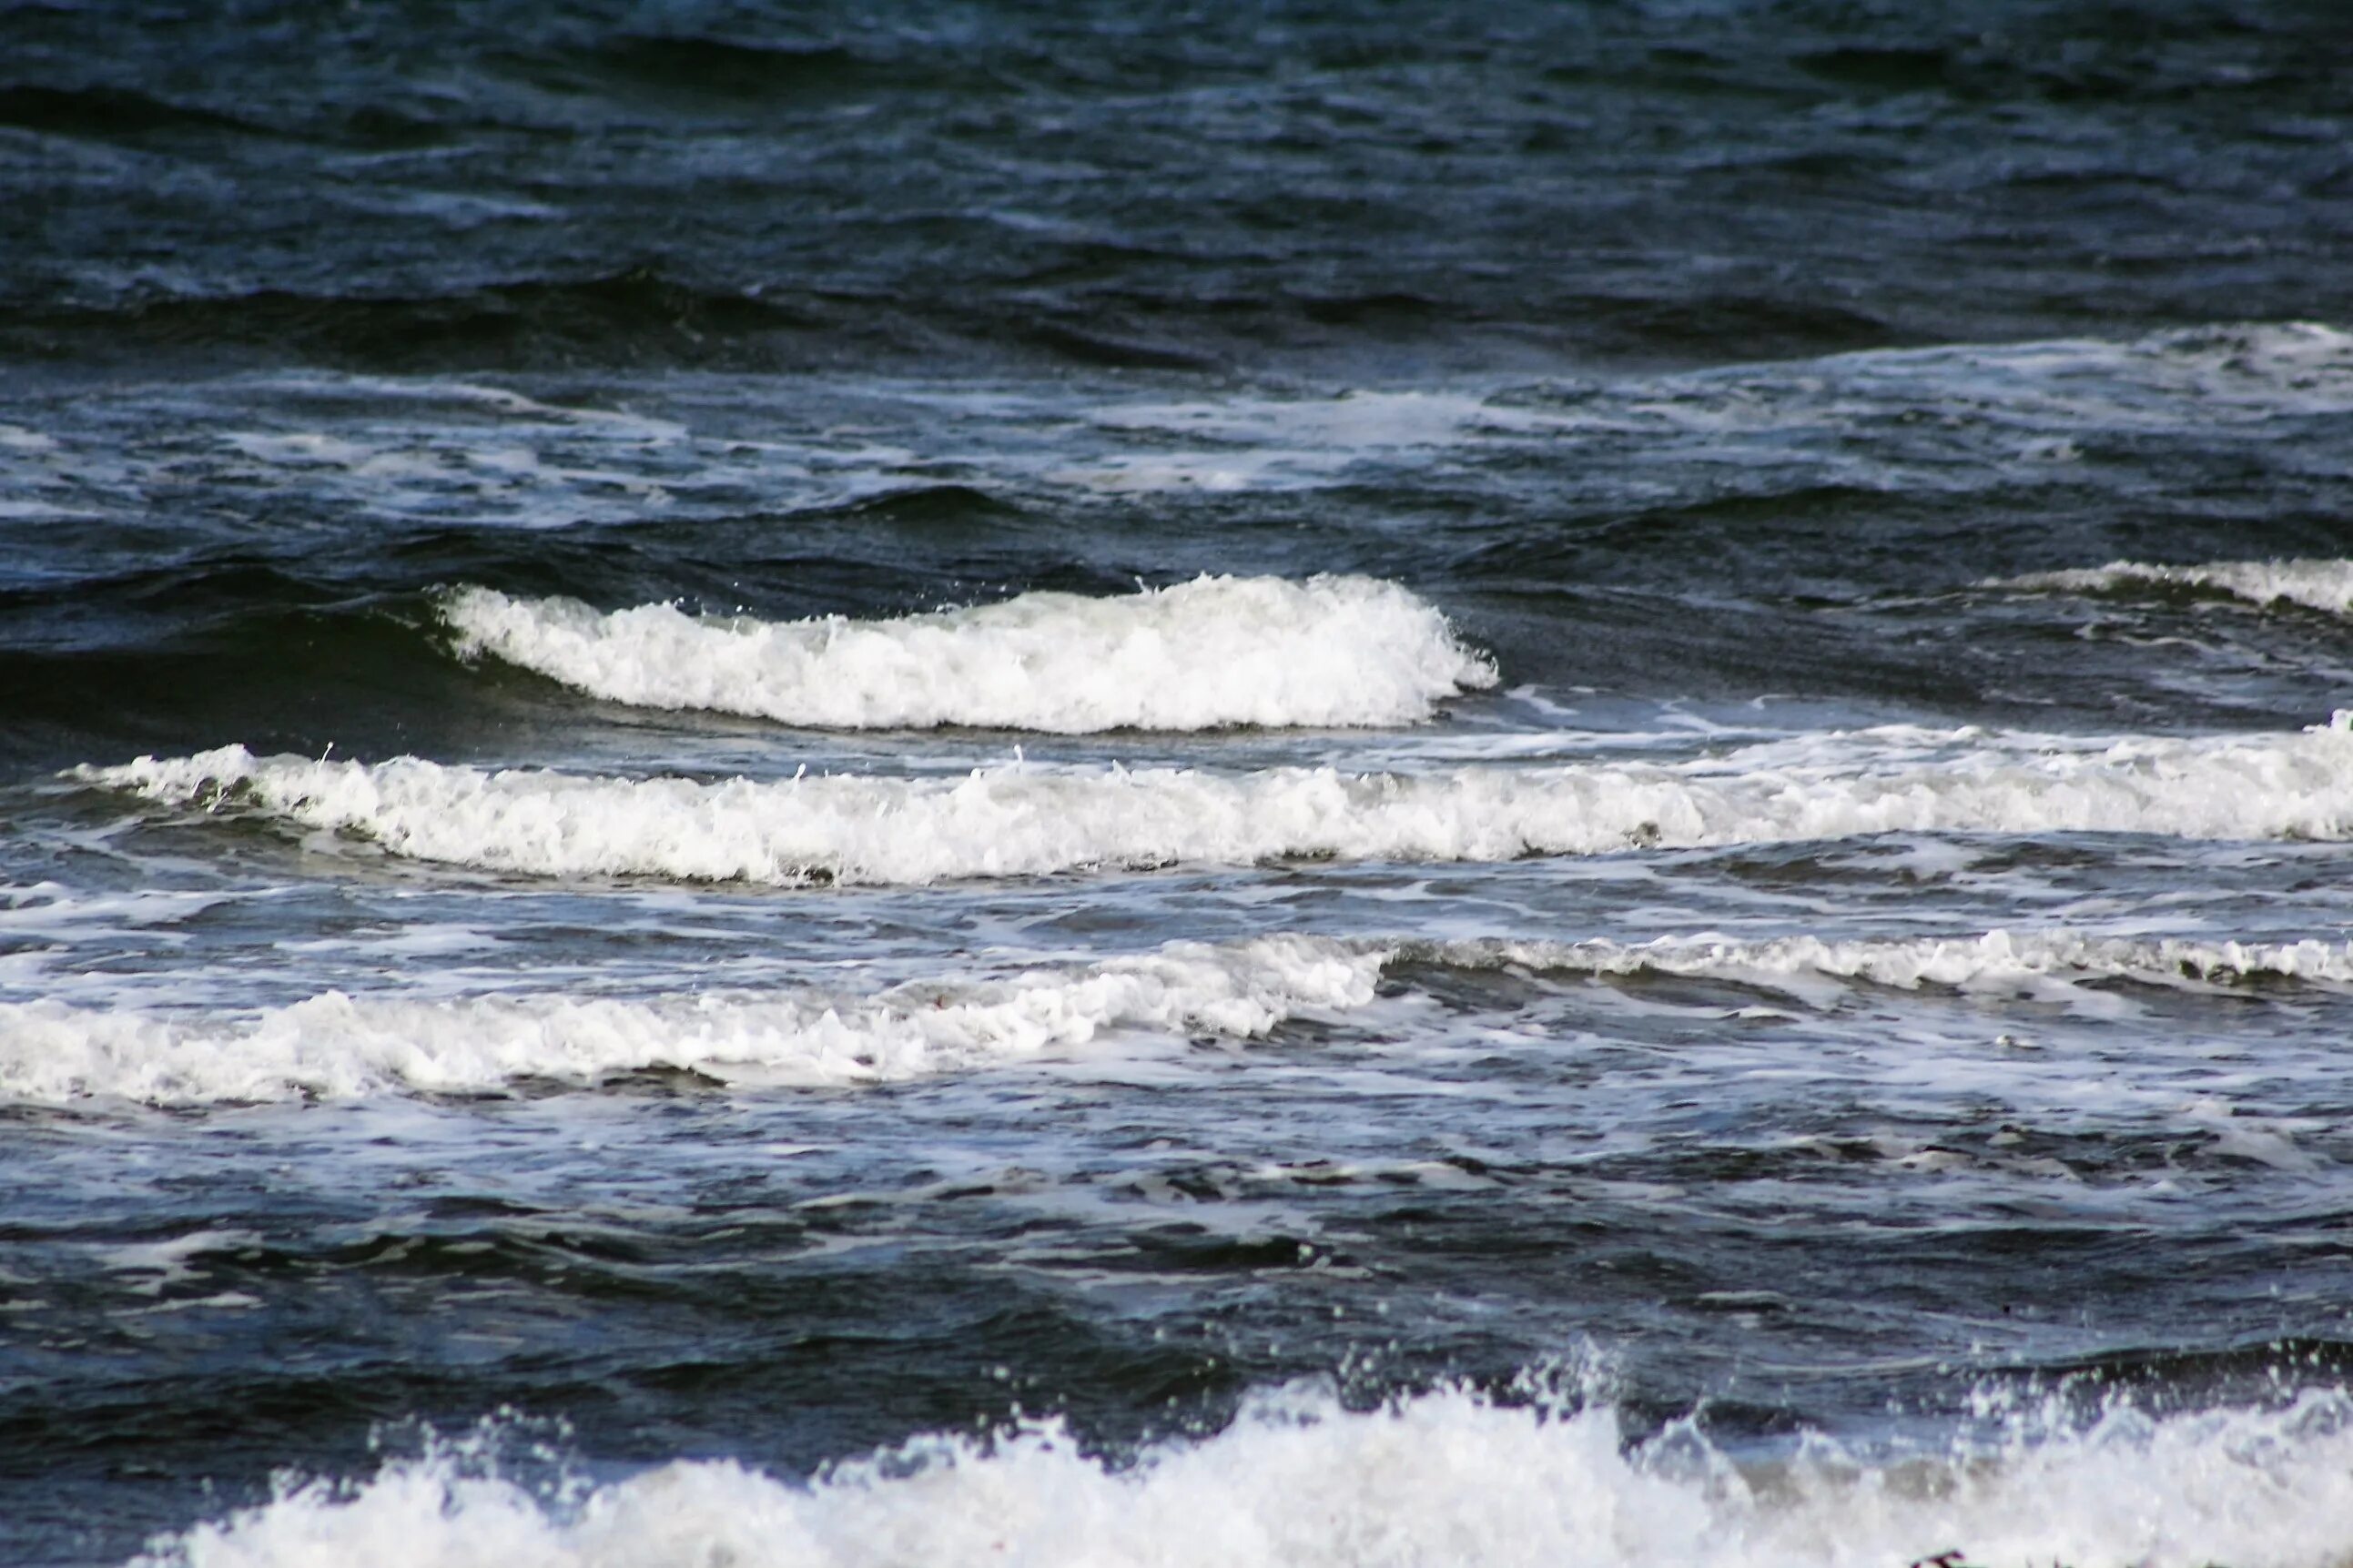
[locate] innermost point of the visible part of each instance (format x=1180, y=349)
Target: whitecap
x=2318, y=584
x=1027, y=821
x=1213, y=652
x=1299, y=1481
x=335, y=1046
x=1815, y=968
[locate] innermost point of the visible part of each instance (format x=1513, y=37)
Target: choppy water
x=1326, y=784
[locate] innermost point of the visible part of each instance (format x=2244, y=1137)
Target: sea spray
x=1300, y=1482
x=1211, y=653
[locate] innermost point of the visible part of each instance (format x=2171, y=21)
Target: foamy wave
x=335, y=1046
x=1022, y=821
x=1998, y=959
x=1299, y=1482
x=2316, y=584
x=1217, y=651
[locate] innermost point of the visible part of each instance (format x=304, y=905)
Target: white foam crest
x=335, y=1046
x=2318, y=584
x=1997, y=960
x=1299, y=1482
x=1019, y=820
x=1215, y=651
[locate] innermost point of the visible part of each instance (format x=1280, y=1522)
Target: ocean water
x=1326, y=784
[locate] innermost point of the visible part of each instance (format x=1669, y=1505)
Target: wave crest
x=1207, y=654
x=1300, y=1482
x=2317, y=585
x=1025, y=821
x=338, y=1047
x=1997, y=960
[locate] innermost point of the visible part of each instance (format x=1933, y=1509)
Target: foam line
x=1998, y=959
x=335, y=1046
x=1211, y=653
x=1023, y=821
x=1299, y=1482
x=2316, y=584
x=338, y=1047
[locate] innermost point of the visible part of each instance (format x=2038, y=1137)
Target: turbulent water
x=1301, y=784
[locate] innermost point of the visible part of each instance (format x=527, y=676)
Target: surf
x=1211, y=653
x=1022, y=820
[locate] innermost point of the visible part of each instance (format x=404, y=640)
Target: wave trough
x=1216, y=652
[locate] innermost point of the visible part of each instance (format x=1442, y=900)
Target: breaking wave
x=1998, y=959
x=1211, y=653
x=1299, y=1481
x=335, y=1046
x=2325, y=586
x=1022, y=820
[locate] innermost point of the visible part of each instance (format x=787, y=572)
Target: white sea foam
x=1212, y=652
x=2000, y=961
x=1020, y=820
x=335, y=1046
x=1299, y=1482
x=2317, y=585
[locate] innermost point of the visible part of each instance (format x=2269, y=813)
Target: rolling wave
x=337, y=1046
x=1446, y=1476
x=1213, y=652
x=1026, y=821
x=1998, y=959
x=2316, y=584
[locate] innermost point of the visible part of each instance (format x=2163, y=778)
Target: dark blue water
x=1331, y=784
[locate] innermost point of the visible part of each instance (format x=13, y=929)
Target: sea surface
x=1256, y=784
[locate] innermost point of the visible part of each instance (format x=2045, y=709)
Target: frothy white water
x=1217, y=651
x=2000, y=961
x=1024, y=821
x=2316, y=584
x=1298, y=1482
x=335, y=1046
